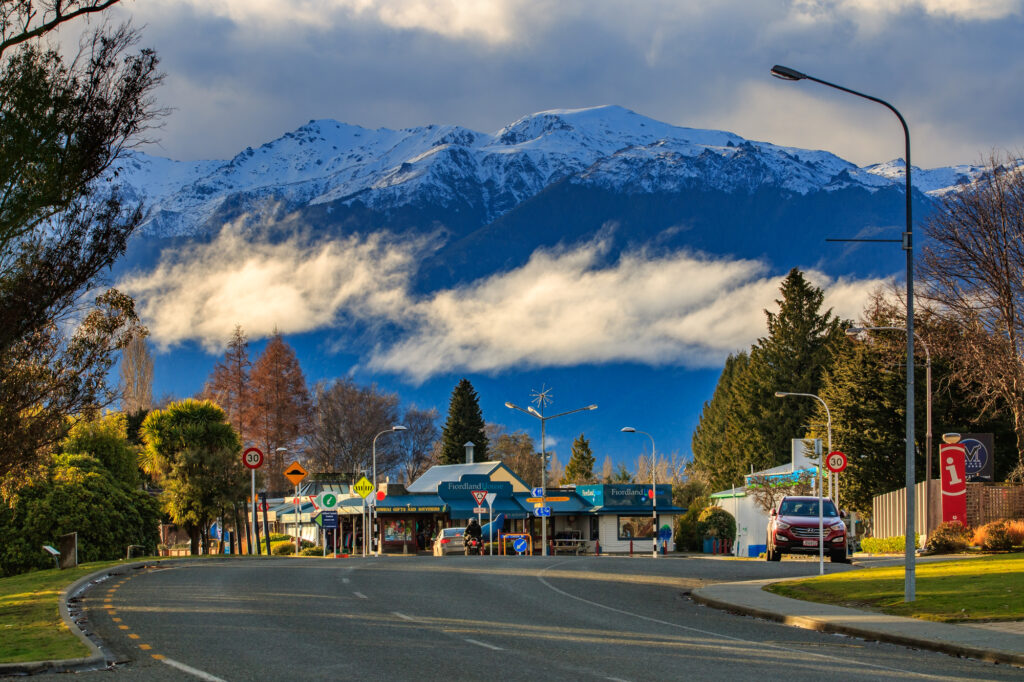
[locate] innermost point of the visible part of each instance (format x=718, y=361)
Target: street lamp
x=854, y=331
x=396, y=427
x=654, y=496
x=821, y=505
x=786, y=73
x=543, y=457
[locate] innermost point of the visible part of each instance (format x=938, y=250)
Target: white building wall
x=608, y=532
x=751, y=522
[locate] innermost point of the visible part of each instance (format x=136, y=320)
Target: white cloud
x=202, y=292
x=967, y=10
x=564, y=309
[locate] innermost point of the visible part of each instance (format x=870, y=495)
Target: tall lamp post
x=396, y=427
x=821, y=510
x=909, y=587
x=543, y=455
x=854, y=331
x=654, y=496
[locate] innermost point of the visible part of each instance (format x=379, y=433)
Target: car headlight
x=837, y=525
x=781, y=525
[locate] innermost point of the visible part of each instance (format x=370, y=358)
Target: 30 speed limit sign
x=253, y=458
x=836, y=461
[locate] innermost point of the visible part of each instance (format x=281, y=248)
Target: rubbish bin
x=709, y=545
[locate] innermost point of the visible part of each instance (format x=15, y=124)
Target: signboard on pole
x=253, y=458
x=836, y=461
x=537, y=492
x=952, y=459
x=327, y=520
x=980, y=454
x=542, y=511
x=479, y=496
x=328, y=500
x=363, y=487
x=295, y=473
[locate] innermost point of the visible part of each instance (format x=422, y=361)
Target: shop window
x=397, y=530
x=636, y=527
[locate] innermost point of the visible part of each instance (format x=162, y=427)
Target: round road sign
x=836, y=461
x=253, y=458
x=381, y=495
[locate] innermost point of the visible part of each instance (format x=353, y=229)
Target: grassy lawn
x=984, y=589
x=30, y=625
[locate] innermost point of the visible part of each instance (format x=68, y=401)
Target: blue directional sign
x=542, y=511
x=327, y=519
x=538, y=492
x=519, y=545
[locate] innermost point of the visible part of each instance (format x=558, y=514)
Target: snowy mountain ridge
x=325, y=161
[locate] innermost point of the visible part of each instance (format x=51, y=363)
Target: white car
x=449, y=541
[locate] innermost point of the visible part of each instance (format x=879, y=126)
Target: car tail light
x=445, y=541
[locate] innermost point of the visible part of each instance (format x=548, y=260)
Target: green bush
x=948, y=538
x=312, y=550
x=893, y=545
x=715, y=522
x=282, y=548
x=687, y=537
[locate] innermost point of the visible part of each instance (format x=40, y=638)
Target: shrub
x=687, y=538
x=948, y=538
x=312, y=550
x=893, y=545
x=715, y=522
x=992, y=537
x=282, y=548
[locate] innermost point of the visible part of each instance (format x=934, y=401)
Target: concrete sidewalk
x=996, y=643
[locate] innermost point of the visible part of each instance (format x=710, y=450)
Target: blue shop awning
x=644, y=509
x=559, y=507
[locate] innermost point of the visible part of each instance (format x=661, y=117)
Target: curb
x=828, y=626
x=96, y=657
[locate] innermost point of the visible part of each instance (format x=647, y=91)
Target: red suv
x=793, y=529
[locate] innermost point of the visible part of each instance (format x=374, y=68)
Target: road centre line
x=739, y=640
x=195, y=672
x=404, y=617
x=360, y=595
x=483, y=644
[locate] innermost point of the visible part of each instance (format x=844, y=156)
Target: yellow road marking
x=133, y=636
x=116, y=620
x=158, y=657
x=145, y=647
x=123, y=627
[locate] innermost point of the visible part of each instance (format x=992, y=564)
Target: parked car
x=449, y=541
x=793, y=529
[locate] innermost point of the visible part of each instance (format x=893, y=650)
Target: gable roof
x=441, y=473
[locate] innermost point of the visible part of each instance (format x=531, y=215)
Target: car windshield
x=807, y=508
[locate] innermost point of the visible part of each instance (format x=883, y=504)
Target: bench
x=568, y=546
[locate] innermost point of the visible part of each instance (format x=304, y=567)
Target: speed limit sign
x=252, y=458
x=836, y=461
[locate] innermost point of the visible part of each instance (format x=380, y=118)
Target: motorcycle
x=474, y=545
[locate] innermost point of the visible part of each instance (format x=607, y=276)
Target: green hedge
x=893, y=545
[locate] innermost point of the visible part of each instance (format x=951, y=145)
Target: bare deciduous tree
x=415, y=445
x=973, y=269
x=768, y=491
x=136, y=376
x=346, y=417
x=516, y=451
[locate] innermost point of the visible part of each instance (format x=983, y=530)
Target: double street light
x=788, y=74
x=543, y=456
x=654, y=496
x=396, y=427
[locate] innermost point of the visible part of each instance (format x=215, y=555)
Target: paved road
x=473, y=618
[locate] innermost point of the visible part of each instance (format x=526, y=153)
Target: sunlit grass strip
x=983, y=589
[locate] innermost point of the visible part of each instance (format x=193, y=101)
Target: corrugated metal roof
x=438, y=474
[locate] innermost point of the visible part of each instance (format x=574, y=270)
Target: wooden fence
x=985, y=502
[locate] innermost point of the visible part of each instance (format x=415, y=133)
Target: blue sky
x=243, y=72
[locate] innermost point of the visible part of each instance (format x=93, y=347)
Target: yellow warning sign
x=363, y=487
x=295, y=473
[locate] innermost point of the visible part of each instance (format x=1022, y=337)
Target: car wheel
x=838, y=556
x=771, y=554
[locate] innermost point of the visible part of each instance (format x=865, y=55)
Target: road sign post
x=363, y=487
x=836, y=462
x=295, y=473
x=253, y=459
x=490, y=522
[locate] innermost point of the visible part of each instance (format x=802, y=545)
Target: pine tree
x=228, y=385
x=465, y=424
x=580, y=468
x=279, y=410
x=712, y=456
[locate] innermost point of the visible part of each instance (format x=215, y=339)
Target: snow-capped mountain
x=485, y=177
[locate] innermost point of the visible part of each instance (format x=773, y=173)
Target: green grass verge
x=31, y=628
x=968, y=590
